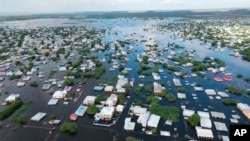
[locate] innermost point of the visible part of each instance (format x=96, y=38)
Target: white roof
x=112, y=100
x=203, y=114
x=25, y=78
x=143, y=119
x=204, y=133
x=188, y=113
x=225, y=138
x=218, y=115
x=223, y=94
x=59, y=94
x=89, y=99
x=38, y=116
x=108, y=89
x=165, y=133
x=157, y=87
x=153, y=120
x=137, y=110
x=19, y=84
x=206, y=123
x=107, y=111
x=52, y=101
x=210, y=92
x=181, y=95
x=176, y=82
x=220, y=126
x=243, y=106
x=12, y=97
x=119, y=108
x=128, y=125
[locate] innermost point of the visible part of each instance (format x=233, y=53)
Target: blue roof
x=81, y=110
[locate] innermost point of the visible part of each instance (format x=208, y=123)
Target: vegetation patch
x=10, y=109
x=194, y=120
x=230, y=102
x=234, y=90
x=92, y=110
x=69, y=127
x=166, y=112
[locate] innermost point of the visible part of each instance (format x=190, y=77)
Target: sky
x=57, y=6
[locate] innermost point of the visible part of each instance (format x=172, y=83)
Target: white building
x=108, y=88
x=154, y=120
x=112, y=100
x=59, y=94
x=12, y=98
x=107, y=113
x=89, y=100
x=157, y=88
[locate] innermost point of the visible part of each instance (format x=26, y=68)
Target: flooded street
x=139, y=32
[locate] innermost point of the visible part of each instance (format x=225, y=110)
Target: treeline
x=10, y=109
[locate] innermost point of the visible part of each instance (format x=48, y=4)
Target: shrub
x=194, y=120
x=92, y=110
x=10, y=109
x=69, y=127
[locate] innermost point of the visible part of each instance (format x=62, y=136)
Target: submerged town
x=153, y=78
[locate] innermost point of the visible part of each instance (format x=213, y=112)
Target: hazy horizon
x=15, y=7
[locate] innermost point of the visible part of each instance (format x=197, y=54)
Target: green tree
x=194, y=120
x=92, y=110
x=69, y=127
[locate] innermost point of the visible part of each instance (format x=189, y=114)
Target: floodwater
x=122, y=29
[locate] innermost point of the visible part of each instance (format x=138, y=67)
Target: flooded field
x=138, y=33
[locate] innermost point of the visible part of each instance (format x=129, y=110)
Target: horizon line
x=130, y=11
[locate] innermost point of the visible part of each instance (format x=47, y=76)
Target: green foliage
x=247, y=79
x=234, y=90
x=18, y=63
x=4, y=57
x=51, y=73
x=170, y=97
x=231, y=102
x=171, y=68
x=19, y=119
x=220, y=62
x=239, y=75
x=99, y=98
x=60, y=51
x=99, y=71
x=68, y=82
x=53, y=116
x=138, y=102
x=194, y=120
x=69, y=127
x=121, y=99
x=131, y=139
x=166, y=112
x=121, y=67
x=142, y=68
x=138, y=89
x=245, y=54
x=154, y=130
x=182, y=90
x=145, y=59
x=92, y=110
x=14, y=77
x=46, y=54
x=156, y=69
x=149, y=89
x=34, y=84
x=152, y=100
x=5, y=113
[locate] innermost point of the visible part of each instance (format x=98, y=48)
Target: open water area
x=132, y=29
